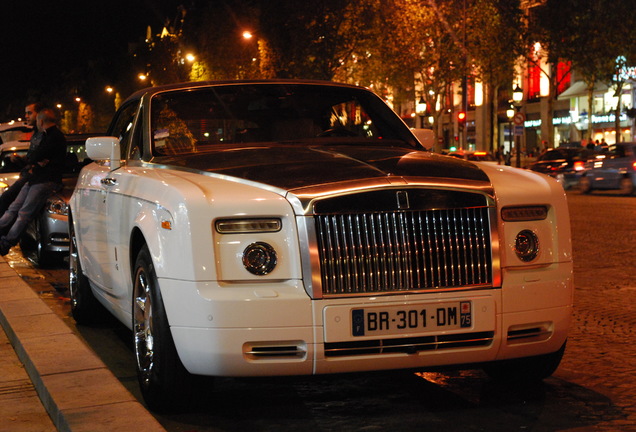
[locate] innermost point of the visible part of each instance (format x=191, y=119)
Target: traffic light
x=461, y=119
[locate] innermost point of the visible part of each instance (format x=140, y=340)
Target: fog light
x=527, y=245
x=259, y=258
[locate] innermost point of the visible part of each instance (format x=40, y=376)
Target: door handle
x=108, y=181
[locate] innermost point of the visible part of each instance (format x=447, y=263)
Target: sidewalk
x=48, y=369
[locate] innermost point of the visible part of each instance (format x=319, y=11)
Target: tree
x=494, y=45
x=572, y=31
x=312, y=39
x=224, y=52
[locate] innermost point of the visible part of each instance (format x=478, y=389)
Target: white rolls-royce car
x=299, y=227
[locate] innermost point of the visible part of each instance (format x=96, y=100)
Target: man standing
x=30, y=112
x=45, y=177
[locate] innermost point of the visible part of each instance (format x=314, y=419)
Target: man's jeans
x=11, y=193
x=24, y=208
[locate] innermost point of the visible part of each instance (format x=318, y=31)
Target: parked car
x=46, y=237
x=298, y=227
x=563, y=163
x=614, y=169
x=474, y=156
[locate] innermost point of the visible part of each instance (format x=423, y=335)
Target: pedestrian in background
x=44, y=178
x=30, y=112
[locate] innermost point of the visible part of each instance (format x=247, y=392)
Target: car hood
x=297, y=166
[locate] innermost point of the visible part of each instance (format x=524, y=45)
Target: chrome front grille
x=411, y=345
x=398, y=251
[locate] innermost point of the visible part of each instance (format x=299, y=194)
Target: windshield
x=188, y=121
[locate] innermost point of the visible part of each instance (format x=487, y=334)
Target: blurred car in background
x=15, y=131
x=9, y=171
x=474, y=156
x=614, y=169
x=46, y=237
x=565, y=164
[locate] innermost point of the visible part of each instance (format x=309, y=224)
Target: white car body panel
x=219, y=312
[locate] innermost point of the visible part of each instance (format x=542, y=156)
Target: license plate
x=411, y=318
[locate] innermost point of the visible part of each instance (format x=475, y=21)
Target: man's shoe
x=5, y=246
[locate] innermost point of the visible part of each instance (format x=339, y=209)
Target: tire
x=627, y=186
x=528, y=369
x=32, y=246
x=43, y=258
x=85, y=308
x=165, y=384
x=585, y=185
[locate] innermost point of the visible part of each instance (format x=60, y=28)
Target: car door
x=613, y=167
x=95, y=219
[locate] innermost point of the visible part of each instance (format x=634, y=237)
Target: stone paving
x=601, y=355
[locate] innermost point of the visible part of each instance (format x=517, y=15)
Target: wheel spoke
x=144, y=340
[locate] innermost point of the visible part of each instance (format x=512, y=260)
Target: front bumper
x=236, y=330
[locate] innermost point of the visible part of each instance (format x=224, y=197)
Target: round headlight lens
x=57, y=206
x=259, y=258
x=527, y=245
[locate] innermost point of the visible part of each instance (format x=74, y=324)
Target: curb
x=75, y=387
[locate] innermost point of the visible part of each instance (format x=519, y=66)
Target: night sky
x=42, y=41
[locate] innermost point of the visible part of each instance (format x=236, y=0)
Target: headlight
x=527, y=245
x=57, y=206
x=259, y=258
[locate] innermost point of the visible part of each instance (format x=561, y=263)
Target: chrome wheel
x=73, y=268
x=164, y=382
x=143, y=328
x=84, y=306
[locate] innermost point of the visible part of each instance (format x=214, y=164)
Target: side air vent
x=283, y=349
x=529, y=333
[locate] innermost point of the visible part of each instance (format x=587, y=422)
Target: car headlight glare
x=259, y=258
x=526, y=245
x=57, y=206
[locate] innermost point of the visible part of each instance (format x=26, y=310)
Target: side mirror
x=104, y=148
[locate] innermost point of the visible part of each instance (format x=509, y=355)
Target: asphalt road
x=594, y=389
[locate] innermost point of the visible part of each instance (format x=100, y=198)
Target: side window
x=122, y=126
x=616, y=152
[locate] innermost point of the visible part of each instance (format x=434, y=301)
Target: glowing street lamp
x=517, y=98
x=510, y=113
x=517, y=94
x=247, y=35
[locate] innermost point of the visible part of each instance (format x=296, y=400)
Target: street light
x=420, y=109
x=517, y=98
x=517, y=95
x=510, y=113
